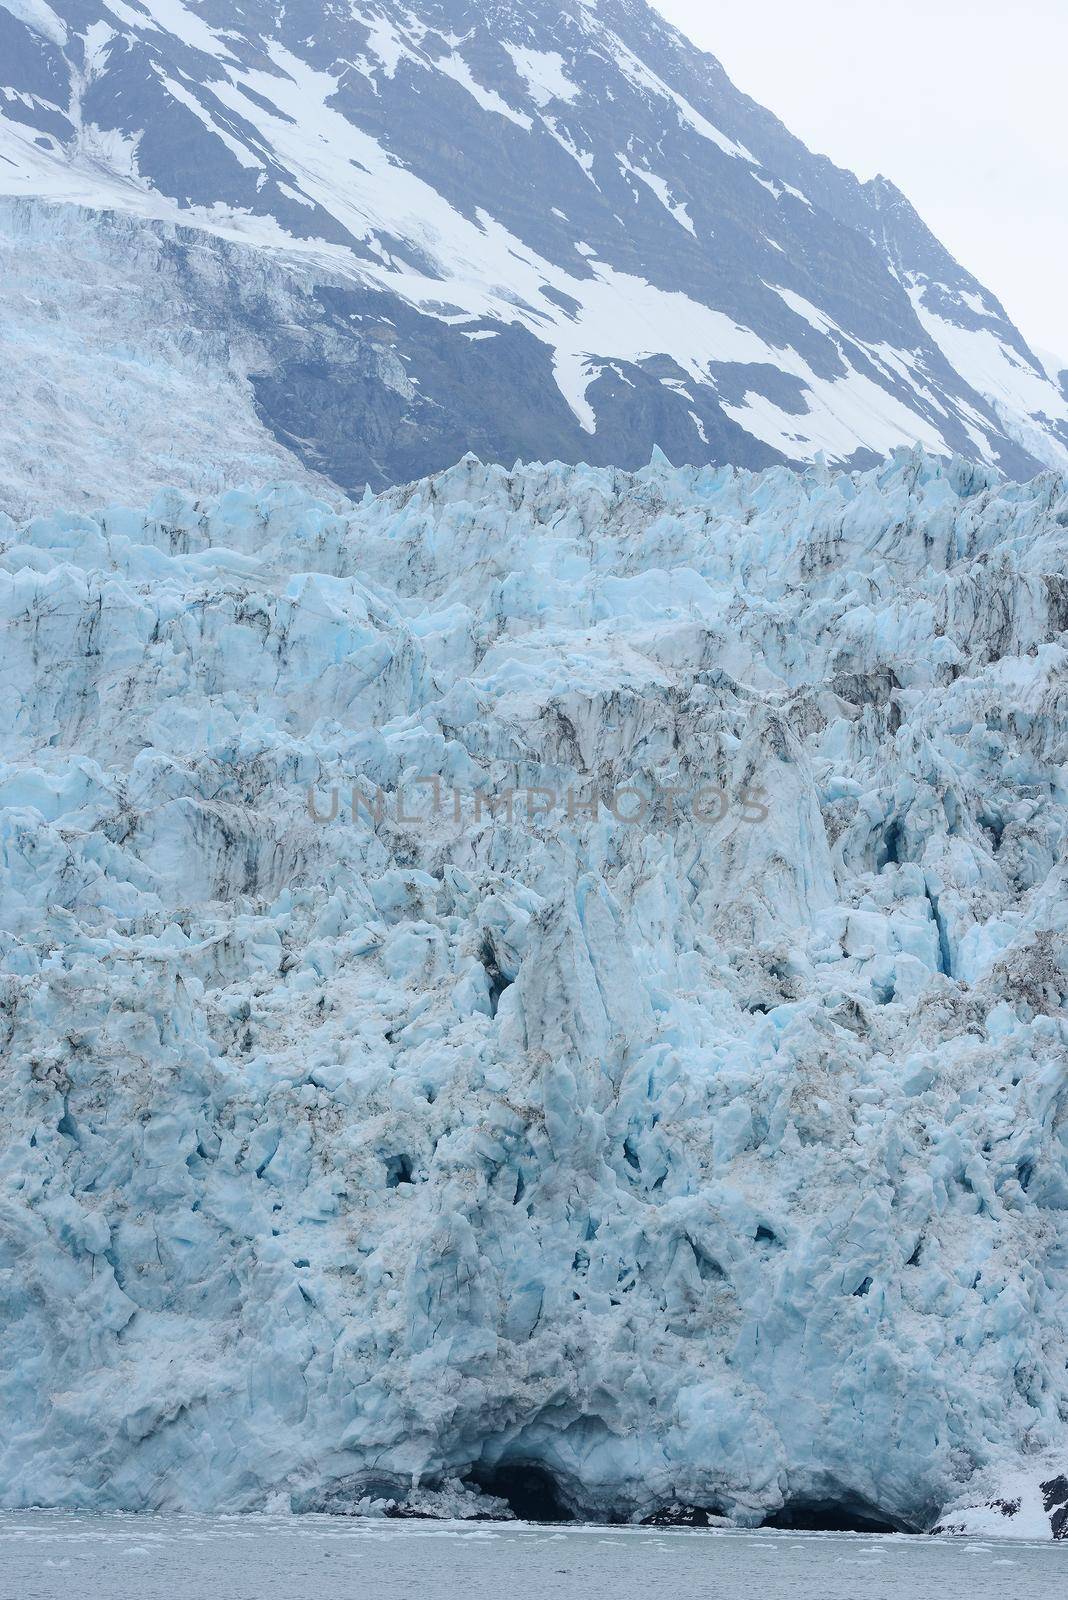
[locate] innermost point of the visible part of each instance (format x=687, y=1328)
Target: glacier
x=394, y=1115
x=107, y=334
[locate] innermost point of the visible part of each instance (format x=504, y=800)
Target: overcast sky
x=962, y=103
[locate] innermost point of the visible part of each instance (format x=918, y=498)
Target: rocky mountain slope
x=553, y=979
x=383, y=234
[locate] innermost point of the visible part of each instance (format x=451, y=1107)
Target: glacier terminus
x=369, y=1157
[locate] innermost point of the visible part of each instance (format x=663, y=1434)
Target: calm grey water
x=48, y=1555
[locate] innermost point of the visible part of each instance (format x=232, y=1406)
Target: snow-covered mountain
x=688, y=1130
x=370, y=235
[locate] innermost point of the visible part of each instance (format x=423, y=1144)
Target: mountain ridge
x=566, y=228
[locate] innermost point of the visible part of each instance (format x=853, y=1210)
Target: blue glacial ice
x=706, y=1160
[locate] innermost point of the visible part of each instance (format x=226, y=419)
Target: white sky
x=962, y=103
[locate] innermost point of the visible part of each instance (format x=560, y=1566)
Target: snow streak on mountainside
x=564, y=226
x=715, y=1157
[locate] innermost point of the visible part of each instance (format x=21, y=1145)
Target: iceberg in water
x=548, y=984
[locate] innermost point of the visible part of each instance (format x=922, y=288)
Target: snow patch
x=456, y=67
x=661, y=189
x=40, y=18
x=543, y=73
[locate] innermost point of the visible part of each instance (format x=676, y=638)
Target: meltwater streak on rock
x=645, y=1167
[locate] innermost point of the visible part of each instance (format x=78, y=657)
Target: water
x=48, y=1555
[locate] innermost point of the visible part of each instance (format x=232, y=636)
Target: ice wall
x=714, y=1160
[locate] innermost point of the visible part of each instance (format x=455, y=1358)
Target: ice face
x=365, y=1131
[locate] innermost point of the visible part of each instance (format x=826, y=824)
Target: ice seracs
x=715, y=1160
